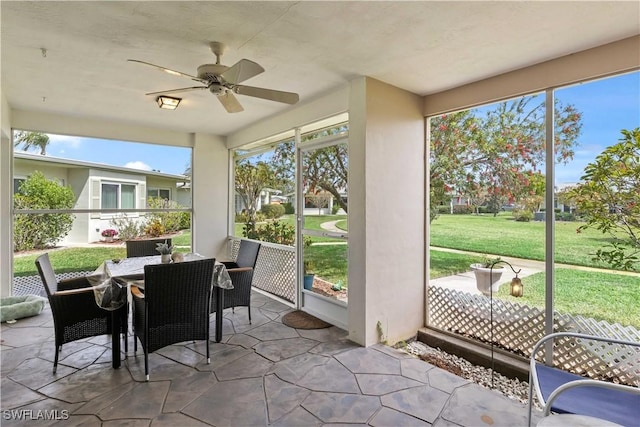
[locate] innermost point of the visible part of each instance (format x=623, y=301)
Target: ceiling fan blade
x=270, y=94
x=241, y=71
x=184, y=89
x=168, y=70
x=230, y=102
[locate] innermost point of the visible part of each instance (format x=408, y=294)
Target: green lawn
x=66, y=260
x=614, y=298
x=502, y=235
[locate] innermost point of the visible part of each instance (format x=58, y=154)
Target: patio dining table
x=113, y=294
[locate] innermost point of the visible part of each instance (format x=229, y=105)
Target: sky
x=607, y=106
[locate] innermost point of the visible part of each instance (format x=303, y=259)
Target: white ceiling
x=305, y=47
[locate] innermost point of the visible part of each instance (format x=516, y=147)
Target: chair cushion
x=13, y=308
x=612, y=405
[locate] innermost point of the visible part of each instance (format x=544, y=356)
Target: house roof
x=71, y=163
x=307, y=47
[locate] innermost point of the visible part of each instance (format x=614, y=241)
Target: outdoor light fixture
x=516, y=287
x=167, y=102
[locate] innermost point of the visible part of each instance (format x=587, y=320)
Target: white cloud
x=64, y=141
x=138, y=165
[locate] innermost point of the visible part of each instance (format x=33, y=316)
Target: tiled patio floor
x=261, y=374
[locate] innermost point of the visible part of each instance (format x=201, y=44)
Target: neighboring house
x=561, y=187
x=100, y=186
x=267, y=196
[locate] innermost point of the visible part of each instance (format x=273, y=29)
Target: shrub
x=185, y=220
x=444, y=209
x=334, y=209
x=272, y=211
x=462, y=209
x=274, y=232
x=38, y=231
x=288, y=208
x=566, y=216
x=522, y=215
x=154, y=228
x=128, y=228
x=170, y=221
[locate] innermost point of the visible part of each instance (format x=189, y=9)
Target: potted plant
x=165, y=252
x=109, y=234
x=308, y=275
x=486, y=277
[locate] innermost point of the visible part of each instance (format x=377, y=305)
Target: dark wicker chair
x=174, y=306
x=147, y=247
x=75, y=312
x=241, y=273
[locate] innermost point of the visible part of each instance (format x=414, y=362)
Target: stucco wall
x=6, y=238
x=386, y=212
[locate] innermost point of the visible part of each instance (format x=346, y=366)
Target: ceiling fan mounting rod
x=218, y=49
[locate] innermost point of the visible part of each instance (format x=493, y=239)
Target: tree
x=319, y=199
x=496, y=154
x=38, y=231
x=251, y=179
x=608, y=198
x=324, y=169
x=31, y=140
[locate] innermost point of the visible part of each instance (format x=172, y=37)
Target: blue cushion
x=612, y=405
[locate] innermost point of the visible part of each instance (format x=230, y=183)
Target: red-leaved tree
x=496, y=154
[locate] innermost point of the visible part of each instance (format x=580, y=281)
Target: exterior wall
x=387, y=148
x=79, y=183
x=184, y=197
x=6, y=185
x=22, y=169
x=101, y=221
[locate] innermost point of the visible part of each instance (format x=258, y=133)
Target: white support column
x=6, y=184
x=386, y=212
x=210, y=195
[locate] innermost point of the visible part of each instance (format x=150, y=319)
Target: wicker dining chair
x=146, y=247
x=174, y=306
x=75, y=312
x=241, y=274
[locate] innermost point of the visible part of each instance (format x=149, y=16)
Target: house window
x=159, y=193
x=118, y=196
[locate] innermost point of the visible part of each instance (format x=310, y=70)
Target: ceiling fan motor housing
x=211, y=72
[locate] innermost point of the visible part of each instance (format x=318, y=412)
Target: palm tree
x=32, y=140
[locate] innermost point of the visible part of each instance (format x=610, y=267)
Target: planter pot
x=165, y=258
x=108, y=239
x=308, y=281
x=487, y=280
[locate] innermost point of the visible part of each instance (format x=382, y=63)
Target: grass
x=502, y=235
x=69, y=259
x=447, y=264
x=614, y=298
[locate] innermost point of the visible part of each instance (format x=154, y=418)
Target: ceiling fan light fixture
x=168, y=102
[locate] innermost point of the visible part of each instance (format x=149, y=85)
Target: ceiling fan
x=222, y=81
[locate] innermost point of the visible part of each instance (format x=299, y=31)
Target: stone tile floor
x=261, y=374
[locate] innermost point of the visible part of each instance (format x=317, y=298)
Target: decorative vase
x=165, y=258
x=487, y=279
x=308, y=281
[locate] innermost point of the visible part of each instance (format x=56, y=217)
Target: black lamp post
x=516, y=290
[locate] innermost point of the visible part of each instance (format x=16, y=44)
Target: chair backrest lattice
x=144, y=247
x=275, y=269
x=32, y=285
x=518, y=327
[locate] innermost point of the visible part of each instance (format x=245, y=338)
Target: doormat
x=300, y=320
